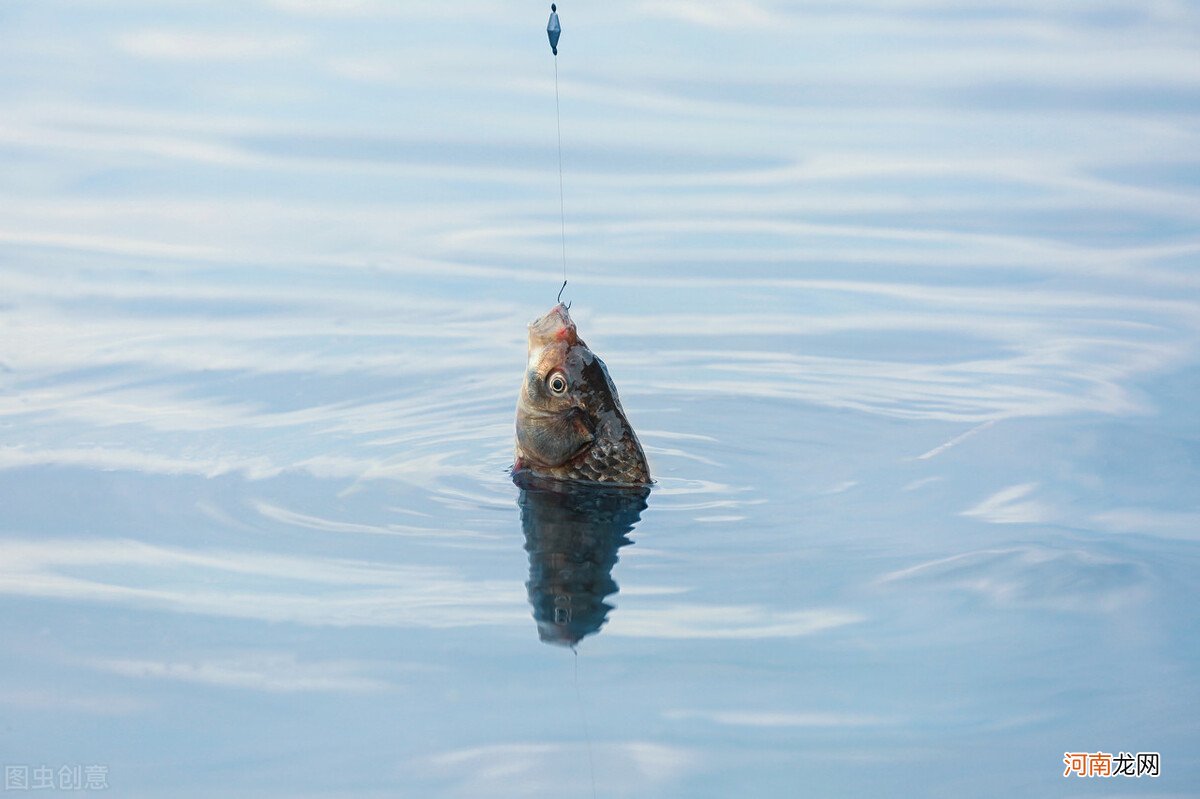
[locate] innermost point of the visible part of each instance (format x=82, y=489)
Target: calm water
x=902, y=300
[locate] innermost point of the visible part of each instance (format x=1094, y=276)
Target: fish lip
x=561, y=311
x=552, y=326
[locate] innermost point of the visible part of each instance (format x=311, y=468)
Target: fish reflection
x=572, y=534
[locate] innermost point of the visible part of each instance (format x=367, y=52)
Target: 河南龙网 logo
x=1105, y=764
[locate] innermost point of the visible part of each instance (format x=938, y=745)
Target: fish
x=570, y=423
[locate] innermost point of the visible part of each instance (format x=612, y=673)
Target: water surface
x=901, y=298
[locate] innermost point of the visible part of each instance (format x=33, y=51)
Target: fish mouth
x=554, y=326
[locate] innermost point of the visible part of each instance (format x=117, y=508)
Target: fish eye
x=557, y=384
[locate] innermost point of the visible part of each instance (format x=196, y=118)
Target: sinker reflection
x=572, y=534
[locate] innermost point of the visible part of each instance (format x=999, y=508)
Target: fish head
x=554, y=422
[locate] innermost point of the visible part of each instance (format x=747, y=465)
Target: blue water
x=902, y=300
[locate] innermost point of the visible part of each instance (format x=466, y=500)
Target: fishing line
x=562, y=206
x=587, y=734
x=553, y=30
